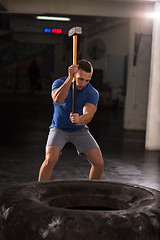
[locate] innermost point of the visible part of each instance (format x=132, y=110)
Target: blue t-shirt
x=62, y=112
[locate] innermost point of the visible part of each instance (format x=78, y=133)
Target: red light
x=59, y=31
x=54, y=30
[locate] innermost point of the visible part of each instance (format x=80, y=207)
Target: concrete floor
x=25, y=119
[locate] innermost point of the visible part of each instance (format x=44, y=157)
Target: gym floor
x=25, y=119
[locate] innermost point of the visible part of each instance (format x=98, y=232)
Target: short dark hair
x=85, y=66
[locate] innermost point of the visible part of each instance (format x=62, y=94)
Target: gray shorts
x=82, y=139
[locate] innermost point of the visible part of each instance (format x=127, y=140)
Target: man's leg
x=94, y=156
x=52, y=156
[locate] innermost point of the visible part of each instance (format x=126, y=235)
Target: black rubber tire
x=79, y=210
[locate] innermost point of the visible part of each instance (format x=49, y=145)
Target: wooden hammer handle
x=74, y=79
x=74, y=49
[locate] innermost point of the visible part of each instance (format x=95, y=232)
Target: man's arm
x=89, y=110
x=60, y=94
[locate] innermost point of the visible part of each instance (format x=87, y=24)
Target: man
x=69, y=127
x=34, y=75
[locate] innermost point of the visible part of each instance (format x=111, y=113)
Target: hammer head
x=74, y=31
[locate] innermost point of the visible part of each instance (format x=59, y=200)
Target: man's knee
x=49, y=163
x=51, y=158
x=99, y=164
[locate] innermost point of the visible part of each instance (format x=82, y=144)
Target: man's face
x=82, y=79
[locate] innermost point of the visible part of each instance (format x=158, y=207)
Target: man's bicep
x=89, y=108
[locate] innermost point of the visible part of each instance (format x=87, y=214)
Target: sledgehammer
x=74, y=32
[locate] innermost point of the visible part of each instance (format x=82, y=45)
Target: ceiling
x=74, y=7
x=95, y=15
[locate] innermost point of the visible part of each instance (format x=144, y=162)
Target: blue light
x=47, y=30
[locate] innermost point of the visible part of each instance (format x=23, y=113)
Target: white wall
x=138, y=76
x=153, y=116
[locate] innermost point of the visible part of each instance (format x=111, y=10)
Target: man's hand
x=74, y=117
x=72, y=70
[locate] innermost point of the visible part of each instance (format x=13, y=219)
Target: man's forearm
x=84, y=119
x=60, y=94
x=88, y=113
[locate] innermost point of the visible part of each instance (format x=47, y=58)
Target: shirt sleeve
x=93, y=97
x=57, y=83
